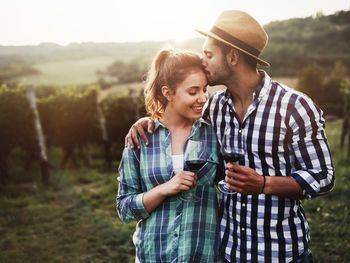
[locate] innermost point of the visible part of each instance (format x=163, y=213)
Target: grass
x=329, y=216
x=69, y=71
x=74, y=220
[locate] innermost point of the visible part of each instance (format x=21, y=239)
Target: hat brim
x=212, y=35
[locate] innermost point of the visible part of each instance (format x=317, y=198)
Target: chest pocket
x=155, y=169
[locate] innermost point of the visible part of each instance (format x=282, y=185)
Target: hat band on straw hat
x=235, y=41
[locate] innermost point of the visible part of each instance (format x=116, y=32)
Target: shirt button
x=243, y=229
x=175, y=235
x=240, y=131
x=243, y=204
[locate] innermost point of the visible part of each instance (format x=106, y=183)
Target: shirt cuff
x=307, y=182
x=137, y=207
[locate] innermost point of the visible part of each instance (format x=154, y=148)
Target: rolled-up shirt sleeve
x=130, y=194
x=314, y=168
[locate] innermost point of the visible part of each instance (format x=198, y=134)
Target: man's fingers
x=142, y=133
x=150, y=126
x=133, y=137
x=238, y=168
x=126, y=141
x=236, y=176
x=232, y=182
x=235, y=189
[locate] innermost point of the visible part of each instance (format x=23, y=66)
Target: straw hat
x=241, y=31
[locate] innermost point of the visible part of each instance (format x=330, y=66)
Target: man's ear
x=166, y=92
x=232, y=57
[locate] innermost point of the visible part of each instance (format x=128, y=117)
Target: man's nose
x=204, y=62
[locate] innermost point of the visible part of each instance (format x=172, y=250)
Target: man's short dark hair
x=226, y=48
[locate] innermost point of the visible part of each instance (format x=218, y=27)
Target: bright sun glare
x=68, y=21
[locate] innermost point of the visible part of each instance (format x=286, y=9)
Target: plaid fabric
x=284, y=133
x=176, y=231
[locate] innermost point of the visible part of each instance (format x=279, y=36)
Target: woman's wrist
x=162, y=190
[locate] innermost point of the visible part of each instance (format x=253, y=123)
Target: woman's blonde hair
x=169, y=68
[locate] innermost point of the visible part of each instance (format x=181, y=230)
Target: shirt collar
x=157, y=123
x=198, y=123
x=263, y=87
x=261, y=90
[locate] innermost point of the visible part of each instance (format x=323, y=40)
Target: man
x=287, y=155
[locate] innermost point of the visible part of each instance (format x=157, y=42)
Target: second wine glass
x=232, y=150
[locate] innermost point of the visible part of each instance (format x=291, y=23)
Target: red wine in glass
x=232, y=153
x=195, y=165
x=232, y=157
x=194, y=157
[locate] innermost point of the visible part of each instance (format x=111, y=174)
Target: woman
x=176, y=208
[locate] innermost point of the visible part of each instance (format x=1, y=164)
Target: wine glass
x=232, y=150
x=194, y=159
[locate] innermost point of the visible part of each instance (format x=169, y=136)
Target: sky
x=31, y=22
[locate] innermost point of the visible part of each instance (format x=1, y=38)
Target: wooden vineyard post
x=44, y=164
x=106, y=144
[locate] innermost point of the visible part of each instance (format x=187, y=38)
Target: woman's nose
x=203, y=97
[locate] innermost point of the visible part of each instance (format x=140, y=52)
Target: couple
x=287, y=157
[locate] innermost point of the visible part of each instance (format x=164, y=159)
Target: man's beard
x=213, y=82
x=221, y=76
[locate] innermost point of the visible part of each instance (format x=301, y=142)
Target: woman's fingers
x=186, y=180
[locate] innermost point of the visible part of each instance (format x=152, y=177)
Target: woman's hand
x=182, y=181
x=139, y=128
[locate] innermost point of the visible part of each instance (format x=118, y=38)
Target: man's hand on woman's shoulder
x=139, y=128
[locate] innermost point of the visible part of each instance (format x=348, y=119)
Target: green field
x=77, y=71
x=74, y=220
x=70, y=71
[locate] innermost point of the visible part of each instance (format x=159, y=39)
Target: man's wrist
x=267, y=186
x=263, y=185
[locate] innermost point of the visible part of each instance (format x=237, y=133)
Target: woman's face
x=190, y=96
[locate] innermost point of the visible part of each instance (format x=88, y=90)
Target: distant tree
x=311, y=81
x=324, y=86
x=320, y=40
x=332, y=94
x=12, y=67
x=121, y=72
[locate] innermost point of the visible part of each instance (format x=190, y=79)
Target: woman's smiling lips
x=197, y=109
